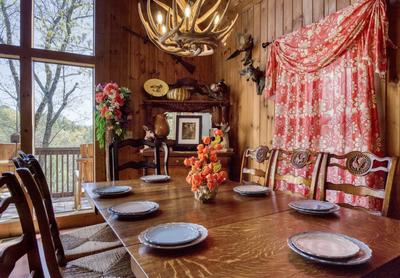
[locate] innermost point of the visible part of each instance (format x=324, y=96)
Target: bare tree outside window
x=9, y=22
x=64, y=115
x=9, y=100
x=64, y=25
x=59, y=25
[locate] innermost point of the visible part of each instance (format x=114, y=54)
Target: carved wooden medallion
x=358, y=164
x=300, y=159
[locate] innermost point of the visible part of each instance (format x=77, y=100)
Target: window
x=63, y=105
x=65, y=26
x=9, y=22
x=47, y=62
x=9, y=101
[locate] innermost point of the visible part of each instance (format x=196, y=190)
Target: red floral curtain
x=322, y=78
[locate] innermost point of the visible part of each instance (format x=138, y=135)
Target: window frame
x=27, y=55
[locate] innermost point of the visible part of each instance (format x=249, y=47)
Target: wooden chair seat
x=75, y=243
x=88, y=240
x=112, y=263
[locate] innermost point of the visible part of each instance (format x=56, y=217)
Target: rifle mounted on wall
x=177, y=59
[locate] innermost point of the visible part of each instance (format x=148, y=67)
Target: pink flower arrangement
x=206, y=168
x=112, y=109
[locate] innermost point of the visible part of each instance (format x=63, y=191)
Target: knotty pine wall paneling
x=126, y=60
x=252, y=116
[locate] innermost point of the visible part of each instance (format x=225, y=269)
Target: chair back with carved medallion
x=255, y=164
x=26, y=244
x=296, y=171
x=360, y=166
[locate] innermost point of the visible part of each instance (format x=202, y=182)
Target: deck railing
x=59, y=166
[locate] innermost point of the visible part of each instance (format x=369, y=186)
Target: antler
x=182, y=34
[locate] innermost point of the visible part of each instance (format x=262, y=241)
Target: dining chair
x=75, y=243
x=111, y=263
x=360, y=165
x=26, y=244
x=252, y=158
x=116, y=146
x=296, y=171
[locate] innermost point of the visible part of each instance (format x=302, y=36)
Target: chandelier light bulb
x=187, y=28
x=163, y=29
x=188, y=11
x=160, y=18
x=217, y=19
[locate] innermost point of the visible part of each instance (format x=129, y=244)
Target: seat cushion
x=111, y=263
x=88, y=240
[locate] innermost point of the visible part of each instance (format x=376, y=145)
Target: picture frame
x=188, y=131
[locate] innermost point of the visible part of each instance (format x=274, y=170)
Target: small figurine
x=150, y=136
x=225, y=137
x=218, y=90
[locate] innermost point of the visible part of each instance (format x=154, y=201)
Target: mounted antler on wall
x=246, y=45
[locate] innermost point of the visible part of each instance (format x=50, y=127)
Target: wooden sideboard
x=176, y=158
x=219, y=109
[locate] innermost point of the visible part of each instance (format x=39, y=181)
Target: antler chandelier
x=185, y=29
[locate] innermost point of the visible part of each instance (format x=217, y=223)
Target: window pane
x=9, y=122
x=9, y=22
x=65, y=26
x=9, y=102
x=63, y=125
x=63, y=105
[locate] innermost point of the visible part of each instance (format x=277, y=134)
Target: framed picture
x=188, y=131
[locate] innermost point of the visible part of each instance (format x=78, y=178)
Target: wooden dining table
x=247, y=236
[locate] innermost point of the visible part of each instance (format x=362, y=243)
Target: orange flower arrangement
x=206, y=168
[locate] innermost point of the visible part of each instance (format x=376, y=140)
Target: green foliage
x=65, y=132
x=112, y=111
x=101, y=125
x=7, y=123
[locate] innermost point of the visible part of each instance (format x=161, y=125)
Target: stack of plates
x=251, y=190
x=173, y=235
x=330, y=248
x=155, y=178
x=314, y=207
x=112, y=191
x=134, y=209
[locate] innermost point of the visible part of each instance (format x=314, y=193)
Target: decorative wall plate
x=156, y=87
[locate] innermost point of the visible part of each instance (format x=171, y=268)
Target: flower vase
x=108, y=140
x=204, y=194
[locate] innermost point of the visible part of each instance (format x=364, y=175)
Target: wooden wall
x=266, y=20
x=129, y=62
x=126, y=60
x=252, y=115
